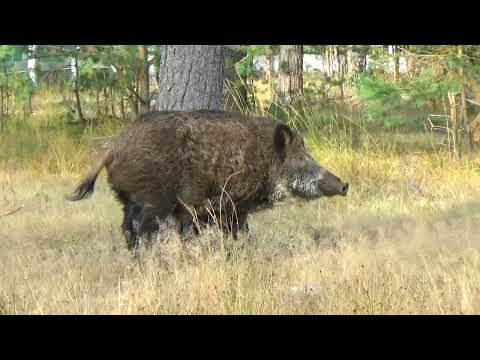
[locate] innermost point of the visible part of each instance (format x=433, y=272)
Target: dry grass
x=403, y=241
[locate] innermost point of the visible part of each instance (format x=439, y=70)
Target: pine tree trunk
x=341, y=74
x=463, y=101
x=143, y=79
x=290, y=73
x=454, y=122
x=191, y=77
x=77, y=93
x=410, y=65
x=351, y=63
x=328, y=61
x=396, y=63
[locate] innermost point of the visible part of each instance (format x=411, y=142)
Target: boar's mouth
x=306, y=189
x=314, y=189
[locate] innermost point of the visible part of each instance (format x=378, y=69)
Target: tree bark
x=122, y=107
x=143, y=79
x=77, y=93
x=328, y=61
x=105, y=99
x=290, y=73
x=452, y=99
x=191, y=77
x=112, y=98
x=97, y=102
x=341, y=73
x=270, y=70
x=157, y=66
x=463, y=101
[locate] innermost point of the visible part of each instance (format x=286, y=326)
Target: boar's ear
x=283, y=136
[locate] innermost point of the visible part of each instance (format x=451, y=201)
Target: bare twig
x=135, y=93
x=11, y=211
x=238, y=62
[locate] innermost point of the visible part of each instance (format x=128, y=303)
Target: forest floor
x=404, y=241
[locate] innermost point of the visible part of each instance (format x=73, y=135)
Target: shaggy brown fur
x=177, y=163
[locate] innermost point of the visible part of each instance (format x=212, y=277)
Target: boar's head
x=300, y=175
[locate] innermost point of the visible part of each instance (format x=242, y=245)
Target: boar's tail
x=86, y=186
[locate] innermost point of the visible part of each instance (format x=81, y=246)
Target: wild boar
x=181, y=163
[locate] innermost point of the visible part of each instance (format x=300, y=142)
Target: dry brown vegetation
x=405, y=240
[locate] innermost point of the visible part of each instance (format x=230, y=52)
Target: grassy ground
x=403, y=241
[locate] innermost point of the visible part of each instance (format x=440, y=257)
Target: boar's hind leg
x=131, y=214
x=149, y=221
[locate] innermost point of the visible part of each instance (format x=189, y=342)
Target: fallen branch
x=11, y=211
x=473, y=102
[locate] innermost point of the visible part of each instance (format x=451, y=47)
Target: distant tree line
x=132, y=79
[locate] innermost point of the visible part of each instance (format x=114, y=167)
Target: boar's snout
x=331, y=185
x=344, y=189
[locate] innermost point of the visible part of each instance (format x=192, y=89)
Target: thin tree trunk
x=341, y=75
x=97, y=102
x=270, y=70
x=290, y=73
x=191, y=77
x=77, y=93
x=143, y=79
x=122, y=107
x=105, y=99
x=454, y=122
x=396, y=63
x=410, y=65
x=157, y=65
x=30, y=110
x=352, y=62
x=328, y=61
x=6, y=90
x=463, y=101
x=112, y=97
